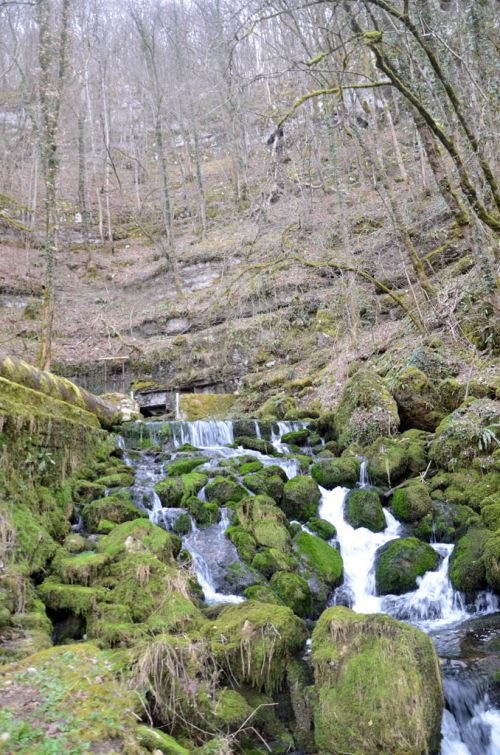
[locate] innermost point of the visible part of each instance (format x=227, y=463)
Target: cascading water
x=279, y=429
x=471, y=725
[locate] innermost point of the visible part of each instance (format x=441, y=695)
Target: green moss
x=277, y=407
x=154, y=740
x=467, y=569
x=294, y=592
x=141, y=536
x=254, y=641
x=322, y=528
x=222, y=490
x=104, y=718
x=86, y=491
x=491, y=516
x=262, y=484
x=319, y=557
x=182, y=525
x=256, y=444
x=183, y=466
x=337, y=472
x=296, y=437
x=192, y=484
x=363, y=508
x=117, y=509
x=301, y=496
x=463, y=435
x=412, y=503
x=262, y=593
x=82, y=569
x=378, y=685
x=116, y=481
x=170, y=491
x=419, y=401
x=73, y=598
x=260, y=516
x=270, y=560
x=399, y=562
x=250, y=467
x=195, y=406
x=491, y=560
x=447, y=522
x=205, y=514
x=244, y=542
x=366, y=410
x=387, y=461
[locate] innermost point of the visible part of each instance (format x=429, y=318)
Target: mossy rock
x=267, y=524
x=85, y=491
x=270, y=560
x=250, y=467
x=412, y=503
x=222, y=490
x=320, y=527
x=490, y=516
x=104, y=720
x=76, y=599
x=416, y=445
x=195, y=406
x=467, y=567
x=254, y=641
x=301, y=497
x=141, y=536
x=465, y=434
x=319, y=557
x=256, y=444
x=399, y=562
x=183, y=466
x=262, y=484
x=276, y=408
x=244, y=543
x=419, y=401
x=204, y=514
x=492, y=560
x=156, y=740
x=430, y=362
x=377, y=685
x=262, y=593
x=466, y=487
x=294, y=592
x=83, y=568
x=337, y=472
x=363, y=508
x=117, y=480
x=182, y=525
x=274, y=470
x=366, y=410
x=446, y=523
x=117, y=509
x=296, y=437
x=387, y=461
x=75, y=543
x=170, y=491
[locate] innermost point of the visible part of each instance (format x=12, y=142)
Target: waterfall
x=364, y=479
x=471, y=726
x=278, y=429
x=257, y=429
x=178, y=405
x=202, y=433
x=358, y=548
x=212, y=552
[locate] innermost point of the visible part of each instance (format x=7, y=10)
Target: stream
x=463, y=634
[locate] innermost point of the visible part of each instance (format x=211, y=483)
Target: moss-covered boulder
x=264, y=521
x=114, y=508
x=366, y=410
x=332, y=473
x=141, y=536
x=294, y=592
x=416, y=445
x=262, y=593
x=256, y=444
x=492, y=560
x=277, y=407
x=320, y=527
x=254, y=641
x=412, y=503
x=466, y=487
x=363, y=508
x=387, y=461
x=222, y=490
x=490, y=516
x=170, y=491
x=270, y=560
x=263, y=484
x=243, y=541
x=319, y=558
x=378, y=685
x=467, y=567
x=103, y=720
x=296, y=437
x=466, y=434
x=301, y=497
x=418, y=399
x=183, y=466
x=446, y=523
x=204, y=514
x=399, y=562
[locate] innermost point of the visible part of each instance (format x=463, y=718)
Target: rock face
x=400, y=562
x=128, y=407
x=366, y=410
x=419, y=401
x=378, y=686
x=193, y=406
